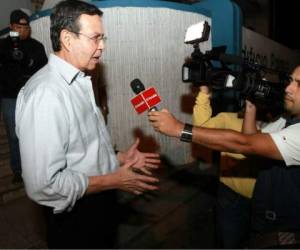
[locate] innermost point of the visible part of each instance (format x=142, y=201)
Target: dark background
x=286, y=23
x=280, y=17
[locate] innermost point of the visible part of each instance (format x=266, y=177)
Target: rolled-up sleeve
x=288, y=143
x=42, y=126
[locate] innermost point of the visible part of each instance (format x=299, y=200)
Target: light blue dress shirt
x=62, y=135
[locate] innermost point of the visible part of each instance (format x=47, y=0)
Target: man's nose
x=289, y=88
x=101, y=44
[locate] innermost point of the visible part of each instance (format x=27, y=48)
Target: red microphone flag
x=145, y=100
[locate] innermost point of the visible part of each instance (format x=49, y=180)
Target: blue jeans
x=8, y=107
x=233, y=218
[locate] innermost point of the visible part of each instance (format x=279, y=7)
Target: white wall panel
x=41, y=31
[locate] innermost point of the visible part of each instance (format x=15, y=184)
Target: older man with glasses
x=69, y=164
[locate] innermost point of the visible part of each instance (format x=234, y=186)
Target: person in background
x=276, y=204
x=69, y=164
x=20, y=57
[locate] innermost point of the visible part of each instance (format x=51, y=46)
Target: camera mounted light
x=197, y=33
x=14, y=34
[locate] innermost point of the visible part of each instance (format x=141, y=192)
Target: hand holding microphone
x=163, y=122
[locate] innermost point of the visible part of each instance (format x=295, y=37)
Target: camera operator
x=276, y=203
x=20, y=57
x=236, y=187
x=237, y=173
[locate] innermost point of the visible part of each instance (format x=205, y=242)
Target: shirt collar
x=65, y=69
x=291, y=121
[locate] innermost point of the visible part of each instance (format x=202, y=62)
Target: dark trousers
x=92, y=223
x=8, y=107
x=232, y=217
x=275, y=240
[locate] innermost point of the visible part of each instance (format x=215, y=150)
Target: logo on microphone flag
x=145, y=100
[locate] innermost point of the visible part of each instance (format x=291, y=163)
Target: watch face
x=187, y=134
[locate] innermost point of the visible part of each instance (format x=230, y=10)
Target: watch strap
x=187, y=133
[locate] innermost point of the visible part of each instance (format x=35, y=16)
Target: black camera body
x=200, y=70
x=253, y=84
x=16, y=53
x=195, y=69
x=257, y=88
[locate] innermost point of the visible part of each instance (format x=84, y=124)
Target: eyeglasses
x=96, y=39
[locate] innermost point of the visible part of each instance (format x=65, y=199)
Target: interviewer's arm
x=218, y=139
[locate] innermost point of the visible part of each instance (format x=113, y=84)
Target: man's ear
x=65, y=39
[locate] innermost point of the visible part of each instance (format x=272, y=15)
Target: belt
x=274, y=239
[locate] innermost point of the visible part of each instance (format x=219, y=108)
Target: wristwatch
x=187, y=133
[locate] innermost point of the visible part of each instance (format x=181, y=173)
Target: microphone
x=145, y=99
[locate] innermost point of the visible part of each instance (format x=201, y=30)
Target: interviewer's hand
x=164, y=122
x=128, y=180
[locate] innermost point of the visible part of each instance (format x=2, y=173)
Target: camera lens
x=17, y=55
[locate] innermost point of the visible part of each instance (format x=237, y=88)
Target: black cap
x=17, y=15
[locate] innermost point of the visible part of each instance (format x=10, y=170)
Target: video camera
x=249, y=80
x=261, y=85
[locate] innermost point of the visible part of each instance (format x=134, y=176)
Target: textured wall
x=145, y=43
x=40, y=30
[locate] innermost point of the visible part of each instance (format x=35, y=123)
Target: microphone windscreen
x=137, y=86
